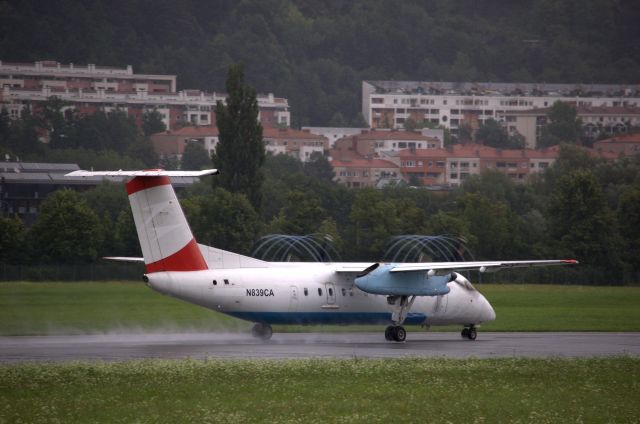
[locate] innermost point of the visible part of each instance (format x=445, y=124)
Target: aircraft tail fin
x=165, y=237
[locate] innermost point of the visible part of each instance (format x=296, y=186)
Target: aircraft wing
x=482, y=266
x=427, y=279
x=444, y=267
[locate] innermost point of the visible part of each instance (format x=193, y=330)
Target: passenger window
x=319, y=292
x=344, y=291
x=226, y=281
x=215, y=283
x=330, y=291
x=306, y=292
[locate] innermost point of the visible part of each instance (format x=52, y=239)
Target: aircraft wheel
x=472, y=334
x=388, y=333
x=465, y=333
x=469, y=333
x=399, y=333
x=261, y=331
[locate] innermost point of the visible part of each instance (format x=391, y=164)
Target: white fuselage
x=310, y=293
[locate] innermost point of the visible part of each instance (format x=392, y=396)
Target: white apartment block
x=90, y=88
x=388, y=104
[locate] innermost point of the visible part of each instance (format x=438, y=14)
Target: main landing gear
x=401, y=306
x=469, y=333
x=261, y=331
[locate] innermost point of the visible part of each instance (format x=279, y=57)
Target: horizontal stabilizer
x=123, y=259
x=142, y=173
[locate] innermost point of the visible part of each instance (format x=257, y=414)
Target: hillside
x=317, y=52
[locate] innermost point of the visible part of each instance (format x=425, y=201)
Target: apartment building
x=440, y=167
x=382, y=143
x=89, y=88
x=389, y=104
x=596, y=121
x=361, y=172
x=622, y=145
x=295, y=143
x=171, y=143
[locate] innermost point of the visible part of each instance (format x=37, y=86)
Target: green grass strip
x=320, y=391
x=89, y=307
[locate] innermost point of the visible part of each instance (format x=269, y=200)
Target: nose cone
x=486, y=310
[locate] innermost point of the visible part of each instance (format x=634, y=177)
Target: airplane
x=269, y=293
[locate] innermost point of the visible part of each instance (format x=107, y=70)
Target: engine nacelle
x=406, y=283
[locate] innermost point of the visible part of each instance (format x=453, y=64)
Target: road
x=120, y=347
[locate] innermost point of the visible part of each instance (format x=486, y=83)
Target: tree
x=564, y=126
x=194, y=157
x=301, y=215
x=582, y=225
x=492, y=134
x=12, y=240
x=126, y=235
x=66, y=230
x=319, y=167
x=224, y=220
x=240, y=152
x=628, y=215
x=373, y=220
x=152, y=123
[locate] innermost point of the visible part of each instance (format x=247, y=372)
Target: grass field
x=70, y=308
x=308, y=391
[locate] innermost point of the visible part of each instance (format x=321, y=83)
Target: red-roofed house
x=626, y=145
x=296, y=143
x=358, y=173
x=171, y=144
x=377, y=143
x=453, y=165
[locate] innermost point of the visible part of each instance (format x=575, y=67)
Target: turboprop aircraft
x=268, y=293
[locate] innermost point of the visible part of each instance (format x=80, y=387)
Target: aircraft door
x=330, y=289
x=293, y=298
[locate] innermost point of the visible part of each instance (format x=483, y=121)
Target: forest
x=317, y=52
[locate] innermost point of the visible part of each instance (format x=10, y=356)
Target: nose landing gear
x=469, y=333
x=395, y=333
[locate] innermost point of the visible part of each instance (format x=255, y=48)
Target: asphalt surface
x=120, y=347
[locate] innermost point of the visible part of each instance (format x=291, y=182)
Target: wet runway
x=120, y=347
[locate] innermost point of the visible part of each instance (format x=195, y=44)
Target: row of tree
x=581, y=208
x=317, y=52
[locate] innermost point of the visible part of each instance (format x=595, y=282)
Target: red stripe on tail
x=143, y=183
x=189, y=258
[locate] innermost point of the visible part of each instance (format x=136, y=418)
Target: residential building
x=621, y=145
x=171, y=143
x=453, y=165
x=334, y=133
x=382, y=144
x=360, y=173
x=296, y=143
x=91, y=88
x=596, y=121
x=453, y=104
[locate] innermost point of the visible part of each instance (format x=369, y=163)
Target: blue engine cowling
x=407, y=283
